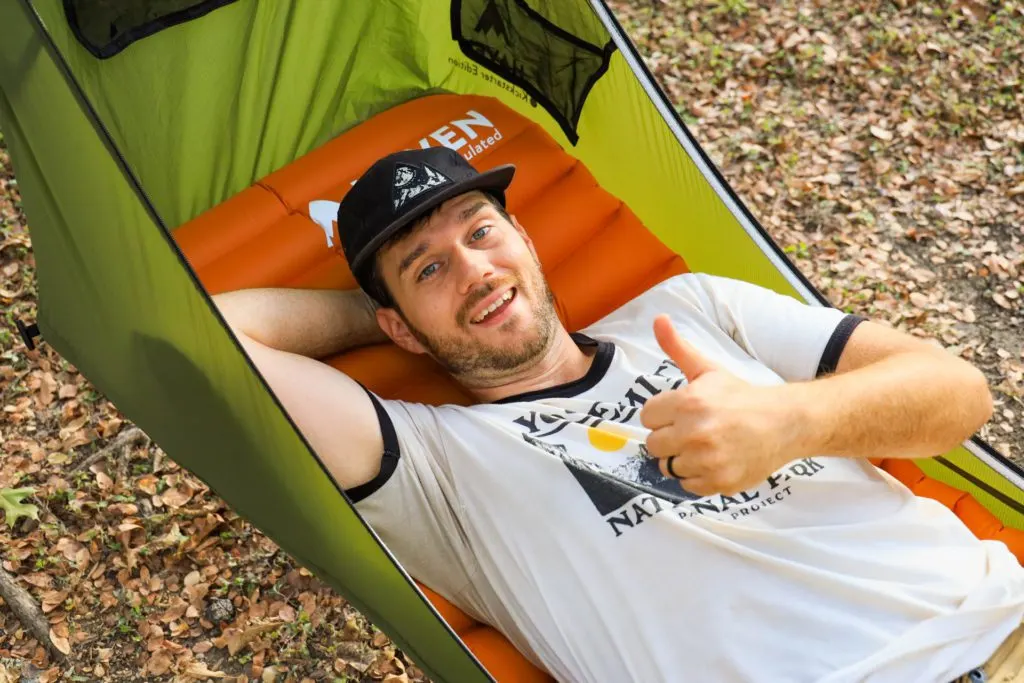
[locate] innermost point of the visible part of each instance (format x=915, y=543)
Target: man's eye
x=427, y=272
x=479, y=234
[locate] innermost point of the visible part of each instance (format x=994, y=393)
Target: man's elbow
x=975, y=396
x=227, y=303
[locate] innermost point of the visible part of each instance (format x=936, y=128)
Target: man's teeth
x=490, y=309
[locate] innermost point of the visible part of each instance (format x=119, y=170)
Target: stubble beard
x=471, y=358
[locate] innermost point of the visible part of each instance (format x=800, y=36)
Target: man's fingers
x=682, y=468
x=691, y=361
x=664, y=442
x=661, y=410
x=699, y=486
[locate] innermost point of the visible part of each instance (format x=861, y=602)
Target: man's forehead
x=456, y=209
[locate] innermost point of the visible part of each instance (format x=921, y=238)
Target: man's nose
x=473, y=267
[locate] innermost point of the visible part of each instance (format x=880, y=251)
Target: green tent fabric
x=126, y=120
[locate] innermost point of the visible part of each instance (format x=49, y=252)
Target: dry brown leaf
x=108, y=600
x=828, y=179
x=104, y=481
x=881, y=133
x=235, y=638
x=199, y=671
x=174, y=612
x=159, y=663
x=59, y=638
x=109, y=428
x=73, y=426
x=53, y=599
x=72, y=550
x=918, y=299
x=58, y=458
x=38, y=579
x=147, y=483
x=177, y=496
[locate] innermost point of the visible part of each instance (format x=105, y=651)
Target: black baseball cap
x=398, y=189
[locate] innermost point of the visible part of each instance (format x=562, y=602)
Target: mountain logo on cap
x=411, y=181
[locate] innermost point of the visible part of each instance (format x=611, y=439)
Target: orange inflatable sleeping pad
x=265, y=237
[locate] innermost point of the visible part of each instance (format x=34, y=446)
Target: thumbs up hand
x=717, y=432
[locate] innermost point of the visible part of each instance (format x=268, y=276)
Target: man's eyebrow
x=466, y=214
x=420, y=249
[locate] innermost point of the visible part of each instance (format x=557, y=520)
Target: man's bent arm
x=284, y=331
x=892, y=396
x=310, y=322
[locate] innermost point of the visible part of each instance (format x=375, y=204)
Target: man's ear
x=395, y=328
x=526, y=237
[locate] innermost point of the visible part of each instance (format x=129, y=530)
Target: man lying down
x=680, y=491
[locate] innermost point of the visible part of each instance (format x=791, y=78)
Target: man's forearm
x=905, y=406
x=314, y=323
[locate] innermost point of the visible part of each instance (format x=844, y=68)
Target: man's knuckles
x=658, y=411
x=682, y=411
x=661, y=443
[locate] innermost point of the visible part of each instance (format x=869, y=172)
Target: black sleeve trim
x=389, y=458
x=836, y=343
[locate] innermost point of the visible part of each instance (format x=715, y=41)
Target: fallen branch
x=126, y=439
x=27, y=611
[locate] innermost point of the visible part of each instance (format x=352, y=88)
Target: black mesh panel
x=518, y=43
x=105, y=27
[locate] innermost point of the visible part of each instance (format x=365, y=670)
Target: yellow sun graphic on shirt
x=606, y=438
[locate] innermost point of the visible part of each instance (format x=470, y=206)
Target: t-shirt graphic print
x=612, y=464
x=543, y=515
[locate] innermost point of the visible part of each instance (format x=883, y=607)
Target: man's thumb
x=686, y=356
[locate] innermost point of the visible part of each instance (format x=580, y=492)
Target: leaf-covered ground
x=881, y=143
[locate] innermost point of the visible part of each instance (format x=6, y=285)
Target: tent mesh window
x=106, y=27
x=518, y=43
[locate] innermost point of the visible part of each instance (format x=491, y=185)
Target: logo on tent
x=411, y=181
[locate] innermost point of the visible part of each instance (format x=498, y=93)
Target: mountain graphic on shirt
x=609, y=492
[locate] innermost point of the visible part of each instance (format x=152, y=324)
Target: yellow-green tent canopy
x=128, y=119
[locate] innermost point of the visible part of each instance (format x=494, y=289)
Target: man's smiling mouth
x=495, y=308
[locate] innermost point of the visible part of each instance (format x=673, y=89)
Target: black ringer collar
x=598, y=369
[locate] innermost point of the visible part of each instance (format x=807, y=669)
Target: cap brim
x=497, y=178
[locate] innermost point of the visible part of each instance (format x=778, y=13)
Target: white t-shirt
x=541, y=515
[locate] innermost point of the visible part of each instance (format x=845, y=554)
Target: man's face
x=470, y=290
